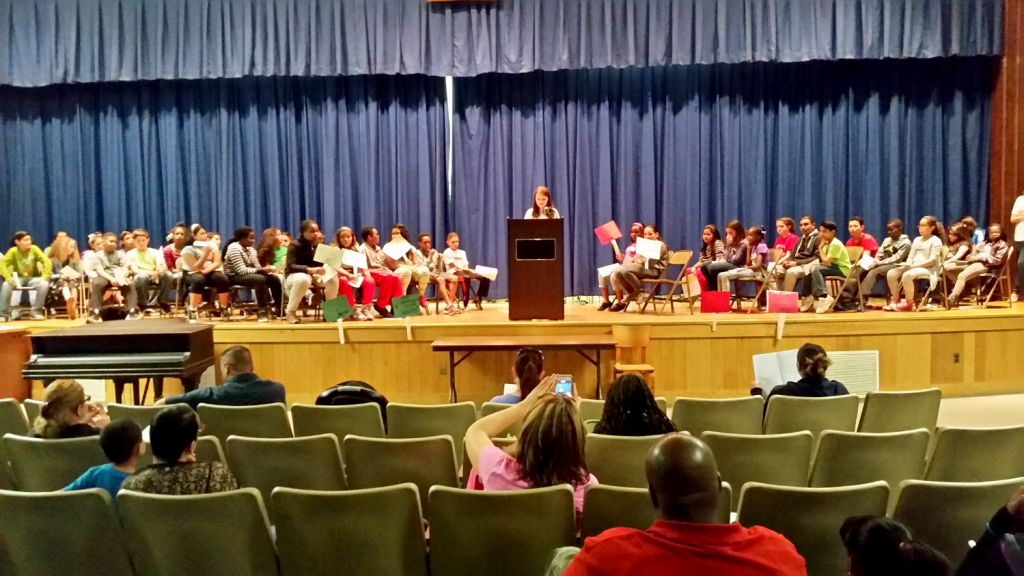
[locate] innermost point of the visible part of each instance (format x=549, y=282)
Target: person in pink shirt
x=858, y=237
x=549, y=450
x=787, y=239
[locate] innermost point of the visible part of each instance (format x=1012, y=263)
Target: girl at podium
x=543, y=208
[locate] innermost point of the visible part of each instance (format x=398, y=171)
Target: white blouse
x=530, y=216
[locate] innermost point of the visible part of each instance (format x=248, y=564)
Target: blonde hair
x=551, y=448
x=63, y=397
x=64, y=250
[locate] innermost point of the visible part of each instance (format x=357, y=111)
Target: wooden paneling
x=15, y=349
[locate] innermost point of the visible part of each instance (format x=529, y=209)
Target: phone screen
x=564, y=385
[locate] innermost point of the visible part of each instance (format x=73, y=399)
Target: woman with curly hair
x=631, y=410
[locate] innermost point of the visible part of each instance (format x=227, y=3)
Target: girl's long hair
x=551, y=448
x=631, y=410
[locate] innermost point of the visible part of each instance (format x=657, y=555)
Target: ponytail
x=882, y=546
x=812, y=361
x=529, y=365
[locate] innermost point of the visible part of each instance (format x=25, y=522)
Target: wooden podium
x=536, y=287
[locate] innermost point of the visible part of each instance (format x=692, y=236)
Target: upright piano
x=125, y=352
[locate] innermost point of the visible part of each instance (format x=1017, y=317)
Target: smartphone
x=564, y=385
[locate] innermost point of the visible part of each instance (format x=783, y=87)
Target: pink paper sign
x=608, y=232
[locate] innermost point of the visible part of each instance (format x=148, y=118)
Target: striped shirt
x=239, y=261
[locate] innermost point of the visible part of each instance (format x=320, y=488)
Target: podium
x=536, y=286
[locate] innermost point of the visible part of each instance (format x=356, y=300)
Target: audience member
x=787, y=239
x=175, y=472
x=801, y=262
x=922, y=263
x=149, y=268
x=685, y=486
x=201, y=265
x=630, y=410
x=408, y=267
x=757, y=260
x=241, y=386
x=242, y=266
x=549, y=451
x=389, y=285
x=999, y=550
x=303, y=271
x=66, y=274
x=25, y=266
x=833, y=260
x=527, y=372
x=988, y=257
x=458, y=264
x=884, y=547
x=122, y=443
x=627, y=278
x=736, y=254
x=712, y=250
x=636, y=230
x=811, y=363
x=543, y=207
x=858, y=237
x=110, y=272
x=68, y=413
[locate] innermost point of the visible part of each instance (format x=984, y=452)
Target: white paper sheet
x=648, y=248
x=605, y=271
x=329, y=274
x=396, y=250
x=70, y=273
x=357, y=282
x=328, y=255
x=204, y=244
x=775, y=369
x=487, y=272
x=866, y=261
x=341, y=331
x=354, y=260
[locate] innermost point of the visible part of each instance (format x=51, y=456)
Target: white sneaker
x=807, y=303
x=824, y=304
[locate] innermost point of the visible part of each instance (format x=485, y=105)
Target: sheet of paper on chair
x=354, y=260
x=605, y=271
x=487, y=272
x=70, y=273
x=328, y=255
x=357, y=282
x=396, y=250
x=648, y=248
x=866, y=261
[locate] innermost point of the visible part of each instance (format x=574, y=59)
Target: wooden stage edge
x=964, y=352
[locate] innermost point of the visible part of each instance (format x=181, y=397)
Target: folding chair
x=1000, y=279
x=931, y=286
x=839, y=282
x=679, y=258
x=776, y=257
x=649, y=286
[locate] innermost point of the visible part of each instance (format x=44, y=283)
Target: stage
x=964, y=352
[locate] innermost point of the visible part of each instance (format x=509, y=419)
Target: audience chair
x=211, y=534
x=662, y=403
x=776, y=256
x=489, y=408
x=729, y=415
x=358, y=419
x=794, y=414
x=679, y=258
x=379, y=462
x=591, y=409
x=835, y=285
x=373, y=531
x=989, y=281
x=607, y=507
x=781, y=460
x=62, y=533
x=208, y=449
x=631, y=341
x=46, y=465
x=498, y=533
x=141, y=415
x=976, y=454
x=948, y=515
x=412, y=421
x=619, y=460
x=309, y=463
x=810, y=517
x=32, y=409
x=266, y=421
x=502, y=443
x=12, y=421
x=900, y=411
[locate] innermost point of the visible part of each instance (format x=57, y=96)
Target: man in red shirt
x=684, y=483
x=858, y=237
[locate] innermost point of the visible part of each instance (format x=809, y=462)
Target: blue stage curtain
x=356, y=150
x=46, y=42
x=683, y=146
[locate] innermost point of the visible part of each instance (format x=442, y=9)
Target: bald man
x=684, y=483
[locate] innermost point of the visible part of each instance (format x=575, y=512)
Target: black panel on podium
x=536, y=288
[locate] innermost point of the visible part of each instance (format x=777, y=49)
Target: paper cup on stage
x=783, y=302
x=715, y=301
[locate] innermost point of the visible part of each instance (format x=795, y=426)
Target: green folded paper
x=406, y=306
x=335, y=309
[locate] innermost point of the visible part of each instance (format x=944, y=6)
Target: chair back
x=848, y=458
x=976, y=454
x=949, y=515
x=141, y=415
x=680, y=258
x=63, y=533
x=208, y=449
x=607, y=507
x=729, y=415
x=46, y=465
x=32, y=409
x=310, y=463
x=489, y=408
x=12, y=421
x=631, y=335
x=412, y=421
x=222, y=534
x=900, y=411
x=266, y=421
x=359, y=419
x=498, y=533
x=373, y=531
x=793, y=414
x=591, y=409
x=855, y=253
x=619, y=460
x=379, y=462
x=782, y=459
x=810, y=517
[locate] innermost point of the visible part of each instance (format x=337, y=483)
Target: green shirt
x=26, y=264
x=145, y=260
x=279, y=255
x=836, y=252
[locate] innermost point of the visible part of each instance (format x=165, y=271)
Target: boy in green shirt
x=24, y=266
x=835, y=261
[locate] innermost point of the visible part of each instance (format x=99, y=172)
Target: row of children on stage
x=816, y=254
x=135, y=276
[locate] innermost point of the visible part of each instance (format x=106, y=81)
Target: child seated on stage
x=757, y=258
x=121, y=441
x=989, y=257
x=712, y=250
x=458, y=264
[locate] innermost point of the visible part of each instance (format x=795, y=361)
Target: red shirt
x=788, y=243
x=867, y=242
x=686, y=548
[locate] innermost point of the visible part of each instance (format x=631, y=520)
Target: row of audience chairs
x=380, y=530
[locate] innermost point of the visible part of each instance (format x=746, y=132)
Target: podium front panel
x=536, y=288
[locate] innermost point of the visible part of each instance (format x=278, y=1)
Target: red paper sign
x=608, y=232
